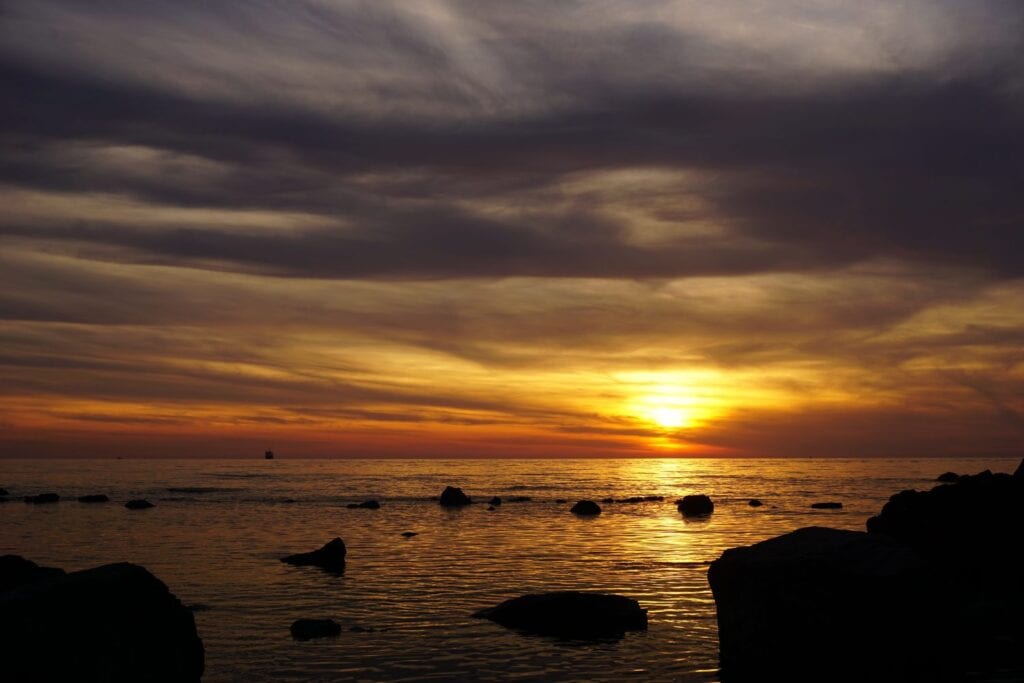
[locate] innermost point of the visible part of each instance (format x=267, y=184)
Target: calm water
x=215, y=541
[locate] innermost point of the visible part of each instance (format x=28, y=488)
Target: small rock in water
x=491, y=508
x=948, y=477
x=93, y=498
x=306, y=629
x=561, y=501
x=641, y=499
x=453, y=496
x=828, y=505
x=138, y=504
x=330, y=557
x=366, y=505
x=586, y=508
x=570, y=614
x=520, y=499
x=695, y=505
x=754, y=503
x=42, y=498
x=4, y=492
x=606, y=501
x=410, y=534
x=494, y=501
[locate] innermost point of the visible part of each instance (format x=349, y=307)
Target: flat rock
x=139, y=504
x=827, y=505
x=94, y=498
x=365, y=505
x=586, y=508
x=117, y=622
x=453, y=496
x=570, y=614
x=827, y=604
x=410, y=534
x=641, y=499
x=307, y=629
x=754, y=503
x=496, y=501
x=41, y=498
x=695, y=505
x=330, y=557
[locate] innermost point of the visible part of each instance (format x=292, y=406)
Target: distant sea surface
x=219, y=527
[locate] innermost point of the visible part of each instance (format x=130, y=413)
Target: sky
x=516, y=229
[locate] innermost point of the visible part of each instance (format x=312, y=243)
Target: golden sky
x=512, y=229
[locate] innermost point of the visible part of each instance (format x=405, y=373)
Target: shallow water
x=220, y=526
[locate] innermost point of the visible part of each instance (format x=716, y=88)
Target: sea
x=219, y=527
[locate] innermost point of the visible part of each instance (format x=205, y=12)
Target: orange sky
x=689, y=229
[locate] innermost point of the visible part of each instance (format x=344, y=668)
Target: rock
x=454, y=497
x=754, y=503
x=494, y=501
x=16, y=570
x=410, y=534
x=306, y=629
x=1019, y=472
x=491, y=508
x=695, y=505
x=607, y=501
x=520, y=499
x=825, y=604
x=330, y=557
x=94, y=498
x=561, y=501
x=586, y=508
x=827, y=506
x=948, y=477
x=42, y=498
x=139, y=504
x=117, y=622
x=570, y=615
x=366, y=505
x=4, y=492
x=641, y=499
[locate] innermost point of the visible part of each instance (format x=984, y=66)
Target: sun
x=668, y=417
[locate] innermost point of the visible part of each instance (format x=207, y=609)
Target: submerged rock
x=16, y=570
x=828, y=505
x=366, y=505
x=561, y=501
x=453, y=496
x=607, y=501
x=520, y=499
x=570, y=614
x=410, y=534
x=754, y=503
x=695, y=505
x=306, y=629
x=42, y=498
x=4, y=492
x=330, y=557
x=94, y=498
x=586, y=508
x=117, y=622
x=491, y=508
x=641, y=499
x=948, y=477
x=494, y=501
x=825, y=604
x=139, y=504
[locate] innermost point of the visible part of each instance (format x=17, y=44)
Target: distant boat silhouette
x=269, y=455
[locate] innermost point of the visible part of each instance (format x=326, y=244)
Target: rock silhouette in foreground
x=453, y=496
x=330, y=557
x=365, y=505
x=94, y=498
x=827, y=505
x=948, y=477
x=117, y=622
x=586, y=508
x=306, y=629
x=139, y=504
x=695, y=505
x=4, y=492
x=41, y=498
x=570, y=614
x=825, y=604
x=16, y=570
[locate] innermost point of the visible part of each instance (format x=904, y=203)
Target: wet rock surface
x=330, y=557
x=570, y=614
x=695, y=505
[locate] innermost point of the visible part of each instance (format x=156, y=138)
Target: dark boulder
x=570, y=615
x=825, y=604
x=4, y=492
x=1019, y=472
x=586, y=508
x=454, y=497
x=754, y=503
x=494, y=501
x=117, y=622
x=94, y=498
x=306, y=629
x=948, y=477
x=330, y=557
x=410, y=534
x=139, y=504
x=365, y=505
x=695, y=505
x=42, y=498
x=16, y=570
x=828, y=505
